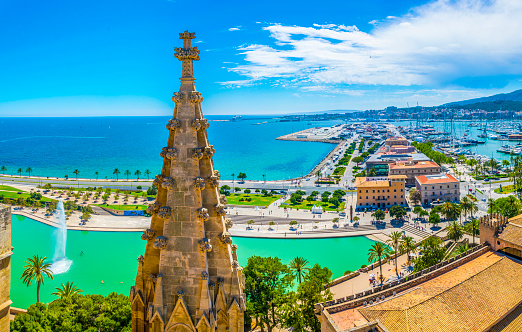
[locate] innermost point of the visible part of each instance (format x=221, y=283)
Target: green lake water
x=111, y=257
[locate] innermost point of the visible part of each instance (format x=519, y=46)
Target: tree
x=147, y=173
x=473, y=227
x=77, y=313
x=3, y=169
x=266, y=284
x=247, y=191
x=379, y=251
x=408, y=245
x=116, y=172
x=397, y=211
x=417, y=210
x=299, y=309
x=372, y=172
x=450, y=210
x=424, y=213
x=455, y=231
x=137, y=173
x=68, y=289
x=293, y=223
x=415, y=196
x=96, y=173
x=127, y=173
x=434, y=218
x=432, y=250
x=152, y=190
x=298, y=266
x=76, y=172
x=395, y=241
x=19, y=171
x=356, y=219
x=241, y=176
x=29, y=170
x=461, y=248
x=465, y=206
x=36, y=269
x=379, y=215
x=358, y=160
x=335, y=202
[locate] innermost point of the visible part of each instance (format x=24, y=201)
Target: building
x=5, y=266
x=412, y=169
x=189, y=278
x=386, y=159
x=380, y=192
x=502, y=234
x=438, y=188
x=394, y=141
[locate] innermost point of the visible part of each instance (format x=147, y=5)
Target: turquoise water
x=111, y=257
x=58, y=146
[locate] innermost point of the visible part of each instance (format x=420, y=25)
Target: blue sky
x=90, y=58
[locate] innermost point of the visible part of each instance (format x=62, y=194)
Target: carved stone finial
x=148, y=234
x=213, y=181
x=209, y=151
x=197, y=154
x=154, y=207
x=235, y=264
x=164, y=212
x=169, y=153
x=204, y=245
x=187, y=35
x=220, y=280
x=220, y=210
x=204, y=275
x=216, y=173
x=160, y=242
x=202, y=214
x=173, y=124
x=152, y=277
x=195, y=97
x=177, y=97
x=204, y=124
x=234, y=247
x=181, y=293
x=168, y=183
x=141, y=259
x=222, y=200
x=226, y=238
x=157, y=181
x=199, y=183
x=228, y=223
x=196, y=125
x=211, y=285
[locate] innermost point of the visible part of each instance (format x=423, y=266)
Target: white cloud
x=235, y=28
x=434, y=44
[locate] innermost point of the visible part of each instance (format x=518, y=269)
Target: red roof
x=420, y=164
x=436, y=179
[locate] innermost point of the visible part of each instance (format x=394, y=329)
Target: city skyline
x=97, y=59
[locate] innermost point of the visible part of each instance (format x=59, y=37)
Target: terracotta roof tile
x=420, y=164
x=430, y=179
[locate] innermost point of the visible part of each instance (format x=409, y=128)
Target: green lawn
x=306, y=205
x=506, y=189
x=256, y=199
x=9, y=188
x=124, y=207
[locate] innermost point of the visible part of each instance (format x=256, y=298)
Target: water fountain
x=60, y=262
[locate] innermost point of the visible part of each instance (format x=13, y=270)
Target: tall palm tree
x=491, y=205
x=455, y=231
x=147, y=173
x=3, y=169
x=76, y=172
x=68, y=289
x=96, y=173
x=395, y=241
x=473, y=228
x=379, y=251
x=36, y=269
x=473, y=208
x=137, y=173
x=447, y=210
x=29, y=170
x=299, y=267
x=127, y=173
x=408, y=245
x=116, y=171
x=465, y=205
x=19, y=171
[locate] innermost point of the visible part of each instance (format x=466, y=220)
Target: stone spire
x=189, y=278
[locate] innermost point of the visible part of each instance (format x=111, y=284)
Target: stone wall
x=5, y=266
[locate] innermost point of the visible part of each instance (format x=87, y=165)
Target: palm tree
x=491, y=205
x=96, y=173
x=147, y=173
x=68, y=290
x=19, y=171
x=29, y=170
x=473, y=228
x=36, y=269
x=447, y=210
x=473, y=208
x=408, y=245
x=116, y=171
x=455, y=231
x=395, y=242
x=462, y=248
x=137, y=173
x=76, y=172
x=127, y=172
x=378, y=251
x=299, y=267
x=465, y=206
x=3, y=169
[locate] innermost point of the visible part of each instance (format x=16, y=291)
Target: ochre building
x=5, y=266
x=412, y=169
x=380, y=192
x=189, y=278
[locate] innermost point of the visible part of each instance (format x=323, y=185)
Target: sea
x=55, y=147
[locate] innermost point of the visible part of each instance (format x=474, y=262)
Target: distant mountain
x=512, y=96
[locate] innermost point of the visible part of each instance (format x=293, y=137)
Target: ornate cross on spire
x=187, y=54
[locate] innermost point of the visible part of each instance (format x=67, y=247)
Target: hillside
x=512, y=96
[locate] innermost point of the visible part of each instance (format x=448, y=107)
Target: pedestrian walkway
x=416, y=231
